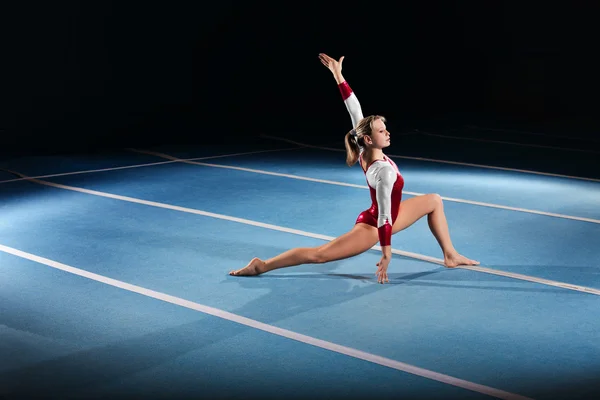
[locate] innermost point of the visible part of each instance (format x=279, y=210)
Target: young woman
x=387, y=215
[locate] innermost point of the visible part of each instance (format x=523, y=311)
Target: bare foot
x=455, y=259
x=254, y=267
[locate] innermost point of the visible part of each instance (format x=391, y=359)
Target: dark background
x=88, y=75
x=85, y=75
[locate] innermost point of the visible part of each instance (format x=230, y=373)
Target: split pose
x=387, y=215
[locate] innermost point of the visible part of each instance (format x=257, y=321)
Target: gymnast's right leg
x=358, y=240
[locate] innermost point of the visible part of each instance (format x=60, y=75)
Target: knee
x=435, y=201
x=318, y=256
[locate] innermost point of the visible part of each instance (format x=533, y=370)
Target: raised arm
x=350, y=99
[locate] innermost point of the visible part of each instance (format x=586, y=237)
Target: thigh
x=360, y=239
x=412, y=210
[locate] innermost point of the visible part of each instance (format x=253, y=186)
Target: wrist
x=386, y=251
x=345, y=89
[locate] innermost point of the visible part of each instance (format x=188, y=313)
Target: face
x=379, y=137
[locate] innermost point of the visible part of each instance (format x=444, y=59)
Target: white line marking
x=525, y=171
x=348, y=351
x=525, y=210
x=257, y=171
x=150, y=164
x=307, y=234
x=304, y=178
x=510, y=143
x=533, y=279
x=89, y=171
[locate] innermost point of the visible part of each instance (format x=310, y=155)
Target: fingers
x=381, y=274
x=326, y=60
x=382, y=277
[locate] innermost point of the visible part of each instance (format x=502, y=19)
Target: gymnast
x=388, y=213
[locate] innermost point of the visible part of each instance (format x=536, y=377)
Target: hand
x=334, y=66
x=382, y=267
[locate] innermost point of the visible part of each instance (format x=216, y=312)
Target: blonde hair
x=355, y=140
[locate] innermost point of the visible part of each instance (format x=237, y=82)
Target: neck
x=371, y=154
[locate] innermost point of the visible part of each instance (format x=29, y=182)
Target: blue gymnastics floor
x=114, y=282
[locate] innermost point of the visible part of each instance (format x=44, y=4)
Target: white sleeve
x=354, y=109
x=385, y=177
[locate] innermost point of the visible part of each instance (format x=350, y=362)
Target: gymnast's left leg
x=431, y=205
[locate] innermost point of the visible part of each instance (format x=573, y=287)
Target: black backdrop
x=81, y=75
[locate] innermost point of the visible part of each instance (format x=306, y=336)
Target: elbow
x=384, y=219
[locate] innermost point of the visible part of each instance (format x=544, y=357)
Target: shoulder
x=382, y=171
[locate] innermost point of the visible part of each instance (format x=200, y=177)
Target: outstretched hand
x=382, y=267
x=334, y=66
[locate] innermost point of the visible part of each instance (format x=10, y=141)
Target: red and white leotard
x=383, y=177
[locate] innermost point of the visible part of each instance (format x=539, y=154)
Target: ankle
x=261, y=266
x=449, y=253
